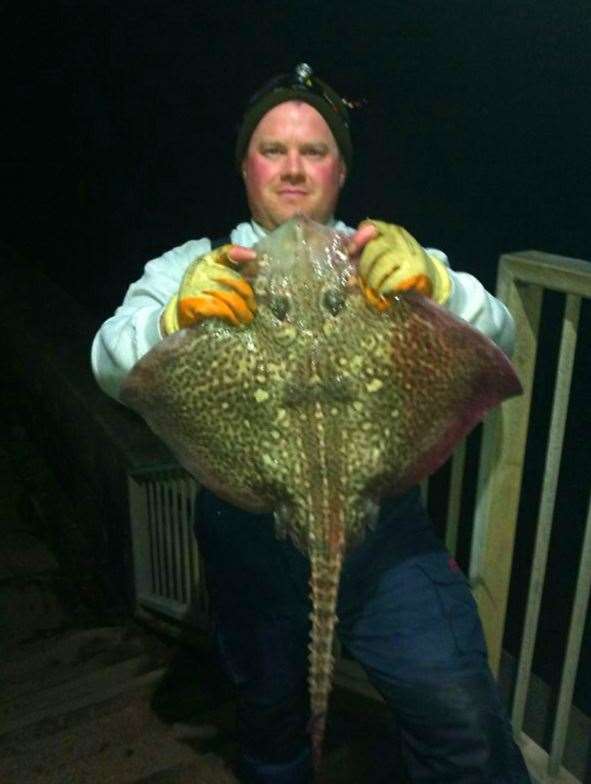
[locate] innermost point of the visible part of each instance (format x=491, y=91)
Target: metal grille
x=167, y=569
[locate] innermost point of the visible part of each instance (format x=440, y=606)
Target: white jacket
x=135, y=327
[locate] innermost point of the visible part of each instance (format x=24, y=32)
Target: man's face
x=292, y=165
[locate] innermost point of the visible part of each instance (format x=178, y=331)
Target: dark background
x=121, y=119
x=119, y=122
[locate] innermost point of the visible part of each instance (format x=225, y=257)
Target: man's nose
x=293, y=165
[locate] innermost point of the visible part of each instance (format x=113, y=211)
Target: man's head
x=293, y=149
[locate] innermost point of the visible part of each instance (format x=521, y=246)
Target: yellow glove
x=394, y=262
x=210, y=289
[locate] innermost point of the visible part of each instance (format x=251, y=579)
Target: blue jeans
x=406, y=614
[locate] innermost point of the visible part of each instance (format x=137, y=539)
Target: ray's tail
x=324, y=585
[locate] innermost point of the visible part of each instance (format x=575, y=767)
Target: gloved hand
x=394, y=261
x=210, y=288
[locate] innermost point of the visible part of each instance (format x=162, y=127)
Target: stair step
x=128, y=744
x=56, y=661
x=63, y=698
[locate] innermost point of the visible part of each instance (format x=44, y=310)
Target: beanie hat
x=300, y=85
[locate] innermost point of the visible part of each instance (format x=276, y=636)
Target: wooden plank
x=500, y=471
x=537, y=764
x=65, y=698
x=573, y=650
x=50, y=661
x=546, y=511
x=570, y=276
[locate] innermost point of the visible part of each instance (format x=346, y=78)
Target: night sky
x=121, y=121
x=120, y=117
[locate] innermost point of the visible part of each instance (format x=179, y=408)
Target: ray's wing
x=192, y=391
x=447, y=375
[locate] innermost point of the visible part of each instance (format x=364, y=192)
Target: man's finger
x=238, y=254
x=362, y=236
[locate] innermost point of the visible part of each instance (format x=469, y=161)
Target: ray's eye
x=334, y=301
x=279, y=306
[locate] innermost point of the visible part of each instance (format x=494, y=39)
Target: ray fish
x=319, y=408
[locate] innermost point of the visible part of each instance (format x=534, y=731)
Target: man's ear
x=342, y=176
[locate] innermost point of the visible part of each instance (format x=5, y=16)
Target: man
x=406, y=612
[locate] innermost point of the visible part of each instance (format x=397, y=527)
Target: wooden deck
x=111, y=704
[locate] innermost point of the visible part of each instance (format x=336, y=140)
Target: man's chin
x=306, y=213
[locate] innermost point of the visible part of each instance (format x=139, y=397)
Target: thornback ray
x=319, y=408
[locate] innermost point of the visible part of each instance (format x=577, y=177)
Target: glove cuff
x=169, y=321
x=441, y=281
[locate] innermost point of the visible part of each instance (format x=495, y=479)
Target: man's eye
x=271, y=151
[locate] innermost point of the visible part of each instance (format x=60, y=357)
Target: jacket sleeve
x=134, y=328
x=472, y=302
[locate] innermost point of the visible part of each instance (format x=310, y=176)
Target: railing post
x=546, y=508
x=501, y=468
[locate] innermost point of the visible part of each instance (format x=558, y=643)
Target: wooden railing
x=522, y=280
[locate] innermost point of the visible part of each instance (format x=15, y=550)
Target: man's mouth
x=292, y=192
